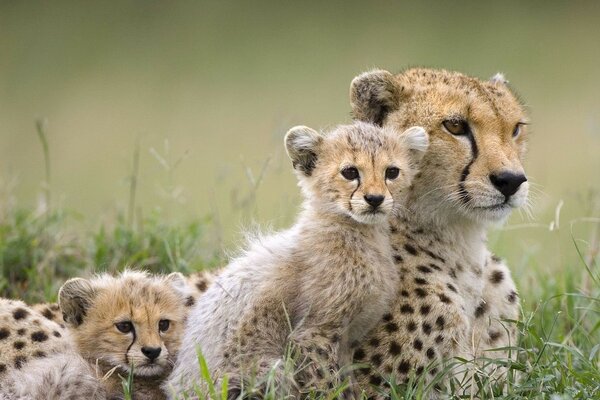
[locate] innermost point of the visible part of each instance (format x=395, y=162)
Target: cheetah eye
x=124, y=327
x=456, y=127
x=517, y=129
x=350, y=173
x=163, y=325
x=392, y=173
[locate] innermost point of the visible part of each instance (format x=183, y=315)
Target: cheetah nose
x=374, y=200
x=507, y=183
x=151, y=352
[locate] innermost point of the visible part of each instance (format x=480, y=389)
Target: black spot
x=376, y=359
x=19, y=361
x=481, y=309
x=374, y=342
x=403, y=367
x=433, y=371
x=48, y=314
x=359, y=354
x=439, y=339
x=39, y=336
x=407, y=309
x=426, y=328
x=452, y=273
x=2, y=368
x=411, y=250
x=411, y=326
x=497, y=277
x=56, y=334
x=437, y=268
x=494, y=335
x=430, y=353
x=388, y=317
x=420, y=370
x=424, y=269
x=20, y=313
x=395, y=348
x=4, y=333
x=21, y=331
x=451, y=287
x=201, y=285
x=444, y=299
x=404, y=293
x=375, y=380
x=190, y=301
x=39, y=354
x=420, y=292
x=512, y=296
x=434, y=256
x=335, y=338
x=398, y=258
x=425, y=310
x=19, y=344
x=420, y=281
x=418, y=345
x=496, y=259
x=391, y=327
x=440, y=322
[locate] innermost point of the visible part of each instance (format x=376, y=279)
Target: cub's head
x=478, y=131
x=358, y=170
x=133, y=321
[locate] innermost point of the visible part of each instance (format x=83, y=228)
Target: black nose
x=151, y=352
x=507, y=183
x=374, y=200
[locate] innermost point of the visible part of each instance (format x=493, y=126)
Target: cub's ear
x=74, y=298
x=499, y=78
x=373, y=95
x=302, y=145
x=417, y=141
x=177, y=280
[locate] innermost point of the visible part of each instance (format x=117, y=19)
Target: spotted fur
x=38, y=359
x=317, y=287
x=453, y=297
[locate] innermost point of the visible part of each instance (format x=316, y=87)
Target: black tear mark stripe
x=462, y=191
x=354, y=191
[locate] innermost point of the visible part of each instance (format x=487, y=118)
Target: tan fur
x=453, y=296
x=38, y=359
x=93, y=309
x=317, y=287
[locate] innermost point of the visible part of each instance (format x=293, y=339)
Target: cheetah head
x=133, y=321
x=359, y=170
x=478, y=131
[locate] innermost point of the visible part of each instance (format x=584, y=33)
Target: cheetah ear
x=74, y=298
x=417, y=140
x=179, y=284
x=499, y=78
x=373, y=95
x=302, y=144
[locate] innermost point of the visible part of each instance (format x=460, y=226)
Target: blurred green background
x=208, y=89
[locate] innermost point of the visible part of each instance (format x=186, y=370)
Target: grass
x=557, y=357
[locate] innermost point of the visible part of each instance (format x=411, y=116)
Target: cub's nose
x=507, y=183
x=151, y=352
x=374, y=200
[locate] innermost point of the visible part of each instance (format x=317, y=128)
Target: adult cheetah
x=453, y=298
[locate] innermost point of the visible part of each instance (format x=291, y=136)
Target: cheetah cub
x=313, y=289
x=130, y=323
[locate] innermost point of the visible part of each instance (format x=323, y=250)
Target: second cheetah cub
x=316, y=287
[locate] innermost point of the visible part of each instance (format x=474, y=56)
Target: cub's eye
x=124, y=327
x=350, y=173
x=456, y=126
x=517, y=129
x=392, y=173
x=163, y=325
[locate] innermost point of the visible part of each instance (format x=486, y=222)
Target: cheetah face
x=359, y=170
x=133, y=322
x=478, y=131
